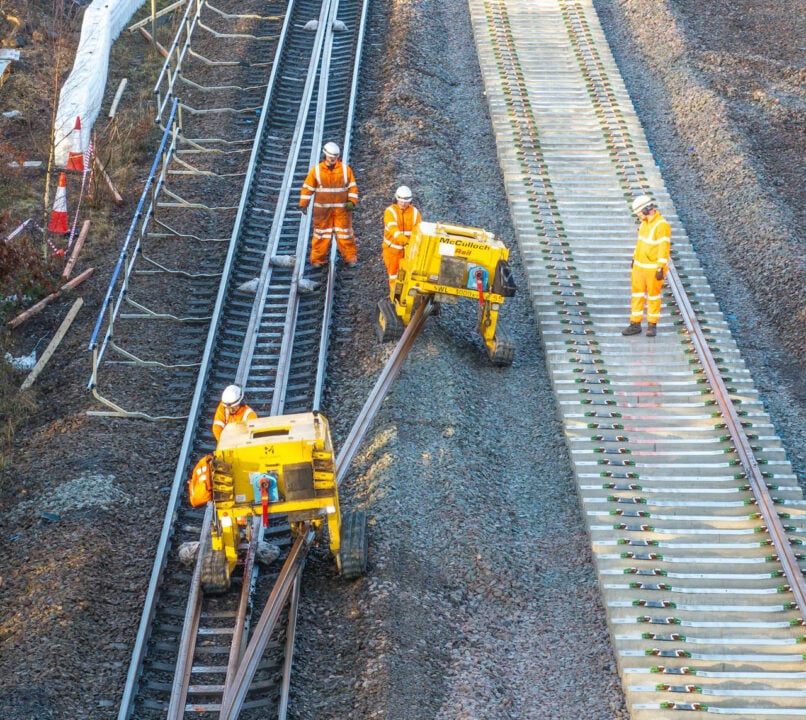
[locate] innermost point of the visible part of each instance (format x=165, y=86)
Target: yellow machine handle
x=270, y=432
x=461, y=231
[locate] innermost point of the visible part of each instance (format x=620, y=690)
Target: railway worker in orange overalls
x=650, y=263
x=399, y=219
x=333, y=184
x=231, y=409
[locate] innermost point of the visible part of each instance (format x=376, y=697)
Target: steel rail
x=290, y=637
x=706, y=357
x=190, y=626
x=322, y=61
x=236, y=691
x=787, y=557
x=328, y=309
x=382, y=384
x=282, y=206
x=644, y=417
x=287, y=334
x=187, y=641
x=241, y=619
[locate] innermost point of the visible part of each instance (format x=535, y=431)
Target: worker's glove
x=659, y=274
x=632, y=262
x=350, y=205
x=303, y=209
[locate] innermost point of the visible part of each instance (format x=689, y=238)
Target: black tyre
x=390, y=326
x=354, y=544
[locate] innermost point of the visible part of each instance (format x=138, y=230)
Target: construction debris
x=7, y=56
x=75, y=282
x=51, y=348
x=283, y=261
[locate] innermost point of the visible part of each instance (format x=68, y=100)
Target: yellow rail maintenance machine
x=271, y=466
x=446, y=262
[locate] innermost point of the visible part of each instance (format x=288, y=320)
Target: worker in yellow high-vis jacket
x=650, y=263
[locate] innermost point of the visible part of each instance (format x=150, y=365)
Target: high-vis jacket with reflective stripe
x=333, y=188
x=654, y=243
x=398, y=224
x=224, y=415
x=330, y=190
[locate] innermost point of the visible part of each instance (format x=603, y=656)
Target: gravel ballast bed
x=481, y=600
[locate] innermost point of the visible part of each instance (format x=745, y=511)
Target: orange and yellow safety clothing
x=654, y=244
x=398, y=223
x=645, y=288
x=200, y=484
x=652, y=252
x=333, y=188
x=224, y=415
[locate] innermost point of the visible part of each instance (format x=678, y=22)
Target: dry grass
x=47, y=33
x=50, y=30
x=16, y=409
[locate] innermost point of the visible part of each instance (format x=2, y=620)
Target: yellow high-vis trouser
x=645, y=287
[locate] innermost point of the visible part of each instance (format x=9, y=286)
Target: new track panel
x=700, y=592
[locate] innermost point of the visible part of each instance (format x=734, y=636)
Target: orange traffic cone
x=75, y=160
x=58, y=218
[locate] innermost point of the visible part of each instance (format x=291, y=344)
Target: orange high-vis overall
x=397, y=226
x=223, y=416
x=651, y=252
x=332, y=189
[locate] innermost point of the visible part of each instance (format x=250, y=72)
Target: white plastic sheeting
x=83, y=92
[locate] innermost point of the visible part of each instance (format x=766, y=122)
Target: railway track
x=272, y=339
x=695, y=515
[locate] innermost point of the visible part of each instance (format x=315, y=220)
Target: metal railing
x=118, y=288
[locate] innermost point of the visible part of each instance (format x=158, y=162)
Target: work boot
x=632, y=329
x=651, y=329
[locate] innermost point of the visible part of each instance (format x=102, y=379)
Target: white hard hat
x=331, y=149
x=403, y=193
x=641, y=203
x=232, y=395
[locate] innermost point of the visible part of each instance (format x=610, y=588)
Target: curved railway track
x=694, y=512
x=693, y=509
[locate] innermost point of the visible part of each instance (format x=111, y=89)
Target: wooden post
x=113, y=109
x=75, y=282
x=76, y=250
x=112, y=188
x=53, y=344
x=154, y=22
x=147, y=36
x=160, y=13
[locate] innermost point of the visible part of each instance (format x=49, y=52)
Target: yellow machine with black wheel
x=277, y=466
x=446, y=262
